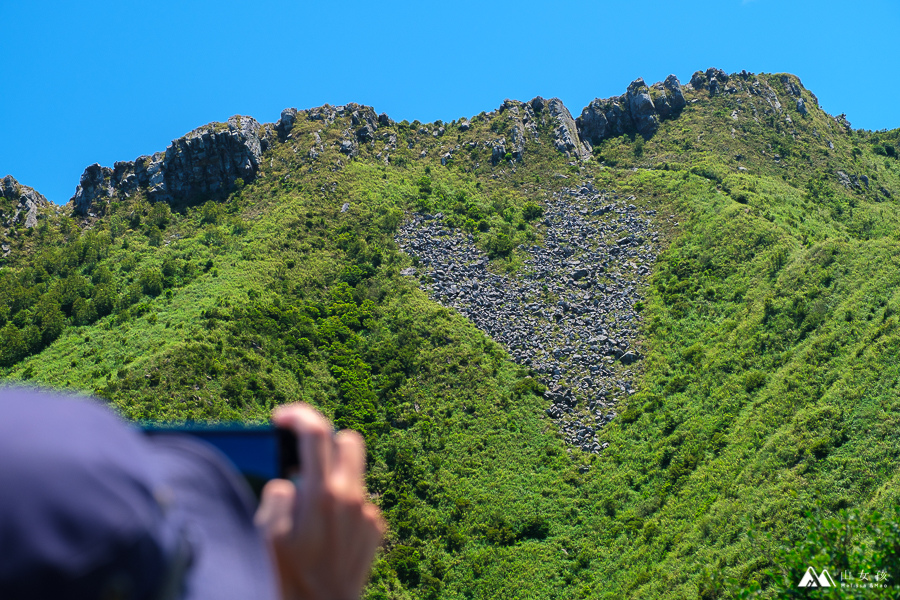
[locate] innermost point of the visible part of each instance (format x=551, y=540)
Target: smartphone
x=258, y=452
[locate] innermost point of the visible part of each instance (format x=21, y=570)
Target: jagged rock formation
x=565, y=134
x=498, y=150
x=523, y=127
x=668, y=97
x=207, y=161
x=204, y=162
x=598, y=249
x=639, y=111
x=853, y=182
x=286, y=123
x=25, y=203
x=641, y=108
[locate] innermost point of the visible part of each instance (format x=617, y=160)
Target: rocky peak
x=713, y=80
x=639, y=110
x=204, y=162
x=24, y=202
x=523, y=124
x=668, y=97
x=286, y=122
x=643, y=111
x=565, y=133
x=365, y=119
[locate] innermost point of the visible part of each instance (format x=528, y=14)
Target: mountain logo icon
x=810, y=579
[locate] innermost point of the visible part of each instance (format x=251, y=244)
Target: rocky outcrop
x=363, y=125
x=604, y=118
x=714, y=80
x=668, y=97
x=565, y=131
x=365, y=119
x=23, y=203
x=842, y=121
x=522, y=123
x=498, y=150
x=790, y=86
x=286, y=122
x=325, y=113
x=204, y=163
x=638, y=111
x=643, y=111
x=853, y=182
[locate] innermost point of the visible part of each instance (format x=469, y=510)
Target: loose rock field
x=569, y=314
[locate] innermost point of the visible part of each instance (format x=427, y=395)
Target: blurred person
x=90, y=508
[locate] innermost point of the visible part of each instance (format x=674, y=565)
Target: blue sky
x=100, y=81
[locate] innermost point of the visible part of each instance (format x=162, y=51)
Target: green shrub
x=532, y=211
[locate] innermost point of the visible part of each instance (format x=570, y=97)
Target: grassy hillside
x=769, y=384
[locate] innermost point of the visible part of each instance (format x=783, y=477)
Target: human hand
x=323, y=531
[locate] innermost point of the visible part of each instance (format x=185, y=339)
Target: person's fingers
x=350, y=462
x=373, y=514
x=275, y=514
x=314, y=437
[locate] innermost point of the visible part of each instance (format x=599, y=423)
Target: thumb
x=275, y=515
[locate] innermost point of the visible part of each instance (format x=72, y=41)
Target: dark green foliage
x=860, y=549
x=160, y=215
x=532, y=211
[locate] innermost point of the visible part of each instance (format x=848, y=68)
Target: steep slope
x=761, y=322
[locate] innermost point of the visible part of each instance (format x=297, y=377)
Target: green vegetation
x=769, y=386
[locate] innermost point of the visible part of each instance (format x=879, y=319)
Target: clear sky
x=100, y=81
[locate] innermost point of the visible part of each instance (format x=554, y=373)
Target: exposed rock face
x=96, y=183
x=498, y=150
x=841, y=120
x=204, y=162
x=713, y=80
x=24, y=201
x=640, y=110
x=365, y=119
x=852, y=182
x=698, y=80
x=325, y=113
x=523, y=124
x=286, y=122
x=790, y=86
x=593, y=124
x=565, y=134
x=643, y=112
x=668, y=97
x=674, y=94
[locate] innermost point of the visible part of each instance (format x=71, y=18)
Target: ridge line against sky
x=103, y=81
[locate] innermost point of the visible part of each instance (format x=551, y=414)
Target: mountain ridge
x=235, y=147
